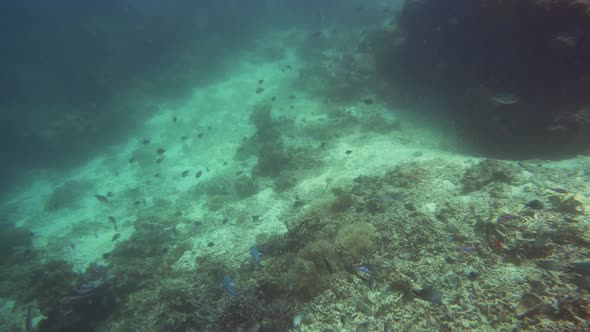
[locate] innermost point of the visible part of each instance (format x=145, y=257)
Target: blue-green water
x=294, y=166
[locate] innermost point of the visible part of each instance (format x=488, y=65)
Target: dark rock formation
x=514, y=76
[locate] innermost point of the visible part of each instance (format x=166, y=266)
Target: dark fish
x=210, y=244
x=289, y=67
x=298, y=203
x=328, y=265
x=559, y=190
x=161, y=151
x=185, y=173
x=72, y=245
x=101, y=198
x=323, y=145
x=472, y=275
x=29, y=319
x=112, y=219
x=110, y=194
x=238, y=173
x=164, y=251
x=535, y=204
x=145, y=141
x=273, y=98
x=348, y=151
x=260, y=81
x=368, y=101
x=174, y=119
x=316, y=34
x=506, y=217
x=198, y=174
x=183, y=138
x=131, y=160
x=209, y=128
x=363, y=327
x=159, y=160
x=387, y=327
x=200, y=135
x=224, y=163
x=259, y=90
x=116, y=236
x=256, y=218
x=549, y=265
x=429, y=294
x=581, y=268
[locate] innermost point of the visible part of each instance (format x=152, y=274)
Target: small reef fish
x=506, y=217
x=429, y=294
x=229, y=286
x=535, y=204
x=255, y=255
x=363, y=269
x=101, y=198
x=504, y=98
x=581, y=268
x=87, y=288
x=112, y=219
x=161, y=151
x=328, y=265
x=198, y=174
x=466, y=248
x=549, y=265
x=29, y=319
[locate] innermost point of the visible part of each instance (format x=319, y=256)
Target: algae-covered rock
x=569, y=203
x=313, y=266
x=487, y=172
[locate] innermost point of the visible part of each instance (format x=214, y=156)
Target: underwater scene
x=282, y=165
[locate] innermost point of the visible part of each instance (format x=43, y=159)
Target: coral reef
x=489, y=171
x=273, y=159
x=312, y=268
x=342, y=201
x=356, y=242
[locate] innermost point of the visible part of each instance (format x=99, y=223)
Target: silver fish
x=504, y=98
